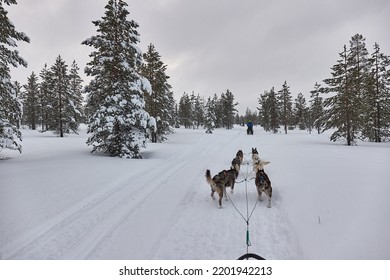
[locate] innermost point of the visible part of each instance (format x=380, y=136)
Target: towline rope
x=248, y=216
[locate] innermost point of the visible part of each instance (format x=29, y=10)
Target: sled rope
x=248, y=216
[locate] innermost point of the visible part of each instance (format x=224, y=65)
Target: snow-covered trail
x=59, y=201
x=82, y=206
x=178, y=220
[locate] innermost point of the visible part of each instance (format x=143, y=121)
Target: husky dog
x=240, y=156
x=255, y=155
x=219, y=182
x=237, y=161
x=263, y=183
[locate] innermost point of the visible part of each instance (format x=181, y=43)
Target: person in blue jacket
x=250, y=128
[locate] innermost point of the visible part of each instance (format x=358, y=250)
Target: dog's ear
x=264, y=162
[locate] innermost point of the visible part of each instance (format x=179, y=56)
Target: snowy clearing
x=59, y=201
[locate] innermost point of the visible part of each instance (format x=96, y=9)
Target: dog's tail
x=208, y=177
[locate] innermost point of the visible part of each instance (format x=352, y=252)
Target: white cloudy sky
x=246, y=46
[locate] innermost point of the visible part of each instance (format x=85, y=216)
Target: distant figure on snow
x=250, y=128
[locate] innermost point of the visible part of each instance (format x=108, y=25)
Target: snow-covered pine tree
x=263, y=108
x=75, y=92
x=346, y=110
x=210, y=117
x=10, y=105
x=339, y=108
x=219, y=113
x=300, y=112
x=316, y=108
x=284, y=98
x=359, y=68
x=160, y=104
x=31, y=102
x=185, y=111
x=198, y=110
x=63, y=106
x=228, y=109
x=45, y=98
x=118, y=120
x=377, y=100
x=269, y=111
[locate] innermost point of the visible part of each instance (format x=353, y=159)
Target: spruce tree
x=10, y=105
x=316, y=108
x=75, y=93
x=274, y=111
x=358, y=67
x=264, y=111
x=64, y=107
x=269, y=111
x=377, y=100
x=284, y=98
x=228, y=109
x=346, y=109
x=198, y=111
x=339, y=108
x=118, y=120
x=210, y=117
x=186, y=111
x=300, y=112
x=45, y=98
x=160, y=103
x=31, y=102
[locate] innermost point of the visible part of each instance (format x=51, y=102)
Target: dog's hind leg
x=269, y=197
x=259, y=192
x=224, y=192
x=220, y=198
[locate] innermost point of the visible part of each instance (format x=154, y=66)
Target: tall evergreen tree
x=285, y=100
x=316, y=108
x=300, y=112
x=219, y=112
x=198, y=110
x=377, y=100
x=31, y=102
x=10, y=105
x=358, y=67
x=118, y=120
x=350, y=76
x=186, y=111
x=264, y=115
x=338, y=108
x=228, y=108
x=210, y=117
x=45, y=98
x=76, y=92
x=160, y=103
x=64, y=105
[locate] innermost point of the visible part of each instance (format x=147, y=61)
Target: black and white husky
x=224, y=179
x=237, y=161
x=262, y=181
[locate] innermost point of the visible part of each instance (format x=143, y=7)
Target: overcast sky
x=246, y=46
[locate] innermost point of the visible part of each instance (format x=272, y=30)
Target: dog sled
x=248, y=256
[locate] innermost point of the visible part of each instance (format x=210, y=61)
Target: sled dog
x=255, y=155
x=240, y=156
x=263, y=183
x=237, y=161
x=221, y=181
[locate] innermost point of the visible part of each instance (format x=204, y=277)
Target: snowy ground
x=58, y=201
